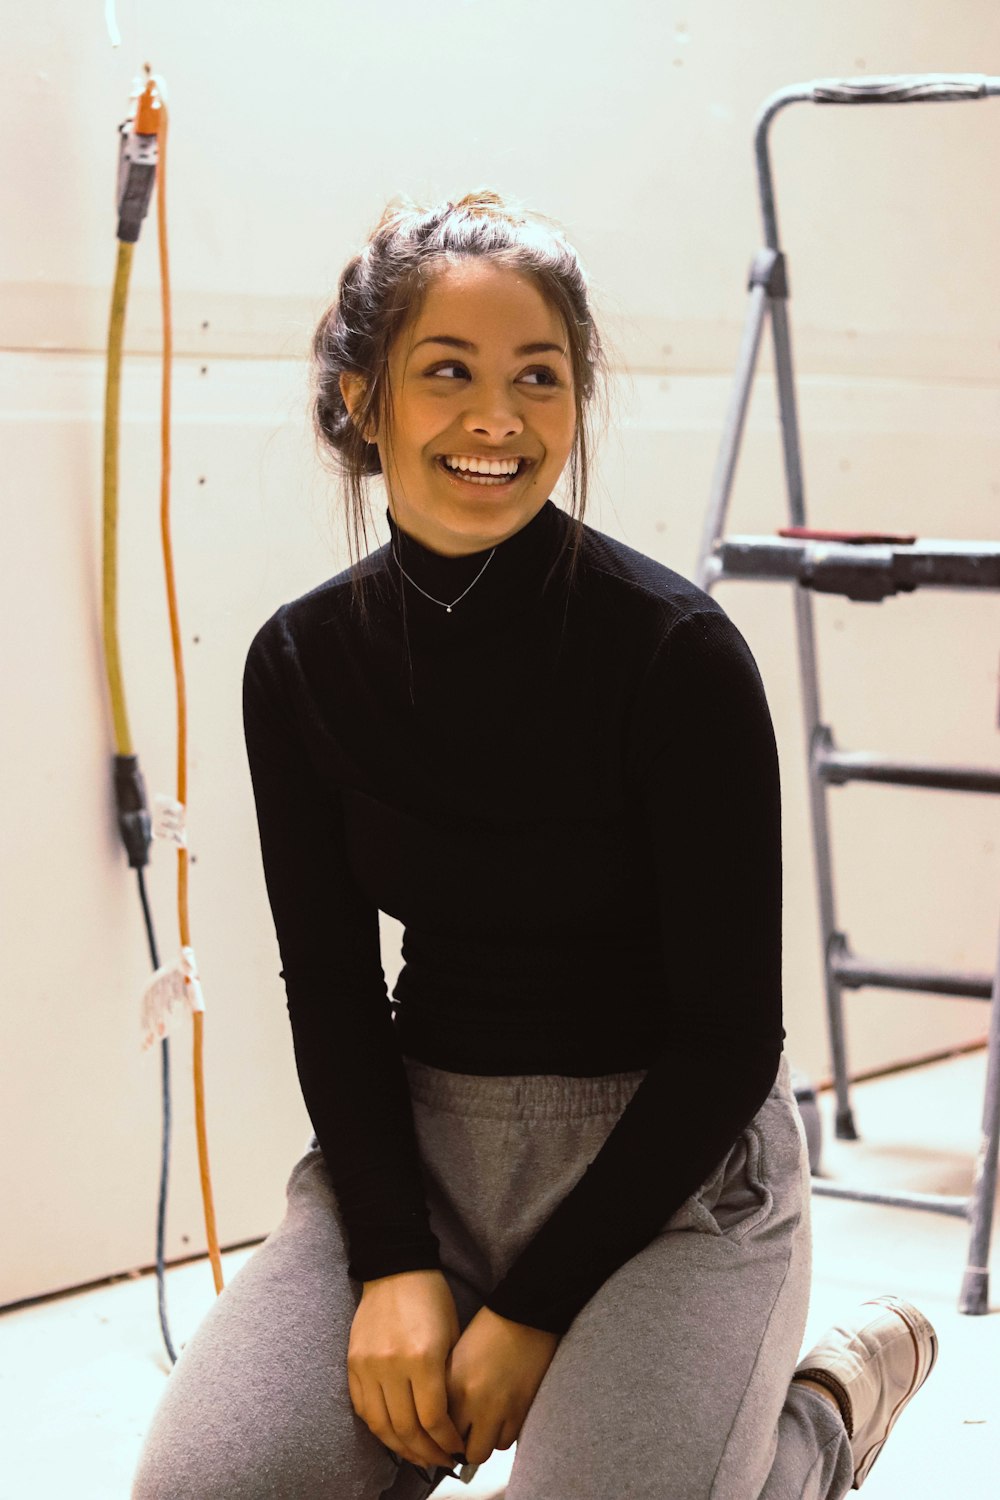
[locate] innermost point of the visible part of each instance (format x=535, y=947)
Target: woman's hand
x=494, y=1371
x=402, y=1333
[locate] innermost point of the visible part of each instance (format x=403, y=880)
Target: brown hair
x=381, y=291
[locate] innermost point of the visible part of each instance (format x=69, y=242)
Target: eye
x=452, y=364
x=550, y=376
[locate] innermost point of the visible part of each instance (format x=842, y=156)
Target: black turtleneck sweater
x=570, y=799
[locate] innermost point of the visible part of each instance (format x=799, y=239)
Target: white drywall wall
x=290, y=128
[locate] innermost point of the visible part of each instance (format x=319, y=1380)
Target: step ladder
x=862, y=567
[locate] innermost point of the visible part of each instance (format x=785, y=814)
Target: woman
x=558, y=1190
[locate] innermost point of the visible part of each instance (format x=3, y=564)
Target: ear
x=352, y=388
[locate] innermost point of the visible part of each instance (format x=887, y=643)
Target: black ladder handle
x=902, y=88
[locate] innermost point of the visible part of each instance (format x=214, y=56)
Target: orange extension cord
x=152, y=118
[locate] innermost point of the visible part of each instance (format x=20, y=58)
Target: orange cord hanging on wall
x=151, y=117
x=152, y=120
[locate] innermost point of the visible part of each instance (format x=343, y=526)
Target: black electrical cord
x=161, y=1207
x=136, y=833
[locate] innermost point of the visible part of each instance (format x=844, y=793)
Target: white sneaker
x=873, y=1365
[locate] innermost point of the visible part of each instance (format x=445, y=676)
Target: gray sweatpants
x=672, y=1383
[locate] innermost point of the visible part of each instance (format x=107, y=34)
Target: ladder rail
x=935, y=1203
x=909, y=88
x=732, y=431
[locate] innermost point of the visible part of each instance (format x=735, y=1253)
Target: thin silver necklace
x=446, y=607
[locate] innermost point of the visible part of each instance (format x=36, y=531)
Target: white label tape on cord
x=173, y=989
x=168, y=820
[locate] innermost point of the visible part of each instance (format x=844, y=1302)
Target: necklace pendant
x=447, y=607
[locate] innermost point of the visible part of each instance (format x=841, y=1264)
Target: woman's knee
x=259, y=1449
x=258, y=1405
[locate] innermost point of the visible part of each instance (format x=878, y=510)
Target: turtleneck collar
x=514, y=575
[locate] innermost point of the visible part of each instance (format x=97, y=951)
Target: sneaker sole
x=925, y=1346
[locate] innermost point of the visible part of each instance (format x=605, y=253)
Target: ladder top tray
x=869, y=570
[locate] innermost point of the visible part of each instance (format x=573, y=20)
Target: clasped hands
x=426, y=1392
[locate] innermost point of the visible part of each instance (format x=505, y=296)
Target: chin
x=490, y=530
x=469, y=526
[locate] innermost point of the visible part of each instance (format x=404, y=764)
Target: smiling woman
x=558, y=1190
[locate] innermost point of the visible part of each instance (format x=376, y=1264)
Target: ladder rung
x=854, y=972
x=867, y=571
x=840, y=766
x=935, y=1203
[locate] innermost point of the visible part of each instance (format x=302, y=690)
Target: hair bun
x=482, y=202
x=404, y=212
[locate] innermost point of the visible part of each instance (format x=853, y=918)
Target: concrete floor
x=81, y=1374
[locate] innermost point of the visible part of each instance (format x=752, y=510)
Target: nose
x=493, y=412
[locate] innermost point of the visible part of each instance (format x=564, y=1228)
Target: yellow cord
x=112, y=401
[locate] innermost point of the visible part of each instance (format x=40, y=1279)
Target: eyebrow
x=454, y=343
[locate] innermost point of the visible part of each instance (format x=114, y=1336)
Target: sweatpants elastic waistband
x=521, y=1096
x=535, y=1096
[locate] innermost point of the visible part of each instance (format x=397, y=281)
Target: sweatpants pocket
x=735, y=1198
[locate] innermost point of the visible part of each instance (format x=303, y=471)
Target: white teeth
x=493, y=466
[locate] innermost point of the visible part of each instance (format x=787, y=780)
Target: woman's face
x=483, y=373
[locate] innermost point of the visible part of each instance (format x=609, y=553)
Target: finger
x=430, y=1397
x=509, y=1434
x=402, y=1411
x=376, y=1414
x=357, y=1394
x=459, y=1410
x=380, y=1424
x=480, y=1442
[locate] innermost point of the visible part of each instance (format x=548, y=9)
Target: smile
x=490, y=472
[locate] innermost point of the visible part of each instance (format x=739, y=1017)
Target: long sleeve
x=704, y=779
x=346, y=1054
